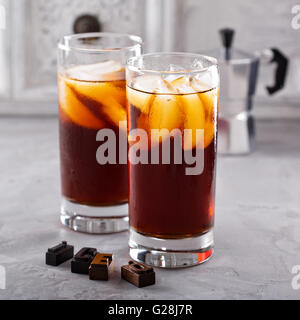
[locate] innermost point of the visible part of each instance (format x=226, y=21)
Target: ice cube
x=174, y=67
x=172, y=77
x=165, y=87
x=197, y=64
x=206, y=80
x=153, y=84
x=183, y=85
x=200, y=85
x=103, y=71
x=147, y=83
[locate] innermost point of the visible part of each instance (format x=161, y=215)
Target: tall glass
x=92, y=99
x=172, y=122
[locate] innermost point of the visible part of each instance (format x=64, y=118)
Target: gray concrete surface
x=257, y=238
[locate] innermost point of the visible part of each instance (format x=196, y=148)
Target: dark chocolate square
x=82, y=260
x=138, y=274
x=100, y=266
x=59, y=254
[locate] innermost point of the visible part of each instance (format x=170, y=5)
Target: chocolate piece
x=100, y=266
x=138, y=274
x=59, y=254
x=82, y=260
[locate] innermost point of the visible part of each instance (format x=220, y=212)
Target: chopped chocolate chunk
x=100, y=266
x=138, y=274
x=82, y=260
x=59, y=254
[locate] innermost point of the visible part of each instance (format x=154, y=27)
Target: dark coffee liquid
x=83, y=179
x=165, y=202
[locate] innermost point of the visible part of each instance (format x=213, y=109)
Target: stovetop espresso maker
x=239, y=74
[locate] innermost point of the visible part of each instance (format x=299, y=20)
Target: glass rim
x=131, y=61
x=64, y=42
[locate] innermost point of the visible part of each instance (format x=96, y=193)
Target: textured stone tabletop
x=257, y=238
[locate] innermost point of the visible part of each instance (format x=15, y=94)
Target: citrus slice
x=110, y=99
x=194, y=118
x=165, y=113
x=74, y=109
x=99, y=91
x=140, y=100
x=210, y=101
x=114, y=111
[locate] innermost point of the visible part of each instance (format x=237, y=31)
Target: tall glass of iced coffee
x=172, y=122
x=92, y=106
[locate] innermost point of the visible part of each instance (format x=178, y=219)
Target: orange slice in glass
x=140, y=100
x=210, y=101
x=110, y=99
x=74, y=109
x=165, y=113
x=194, y=117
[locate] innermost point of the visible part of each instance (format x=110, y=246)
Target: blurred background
x=32, y=27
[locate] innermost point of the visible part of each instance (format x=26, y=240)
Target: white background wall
x=28, y=44
x=29, y=41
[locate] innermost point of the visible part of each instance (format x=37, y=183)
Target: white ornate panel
x=37, y=24
x=28, y=43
